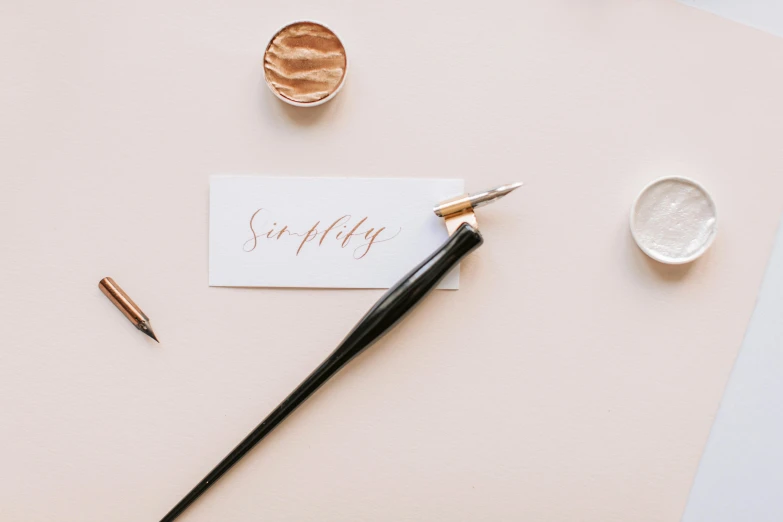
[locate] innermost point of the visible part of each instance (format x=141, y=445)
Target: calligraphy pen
x=464, y=237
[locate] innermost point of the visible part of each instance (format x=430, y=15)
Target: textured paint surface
x=305, y=62
x=674, y=220
x=542, y=391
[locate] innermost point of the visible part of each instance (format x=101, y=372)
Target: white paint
x=674, y=220
x=740, y=477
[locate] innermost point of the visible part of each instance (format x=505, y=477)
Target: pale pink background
x=569, y=379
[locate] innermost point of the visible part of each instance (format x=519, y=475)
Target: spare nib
x=126, y=305
x=146, y=328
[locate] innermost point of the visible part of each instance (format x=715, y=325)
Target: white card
x=324, y=232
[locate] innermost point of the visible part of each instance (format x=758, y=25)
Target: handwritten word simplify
x=337, y=231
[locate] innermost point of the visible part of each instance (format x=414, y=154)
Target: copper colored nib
x=126, y=305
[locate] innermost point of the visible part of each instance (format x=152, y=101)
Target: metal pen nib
x=459, y=210
x=479, y=199
x=126, y=305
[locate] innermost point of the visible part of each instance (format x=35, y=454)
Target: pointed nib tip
x=147, y=329
x=511, y=186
